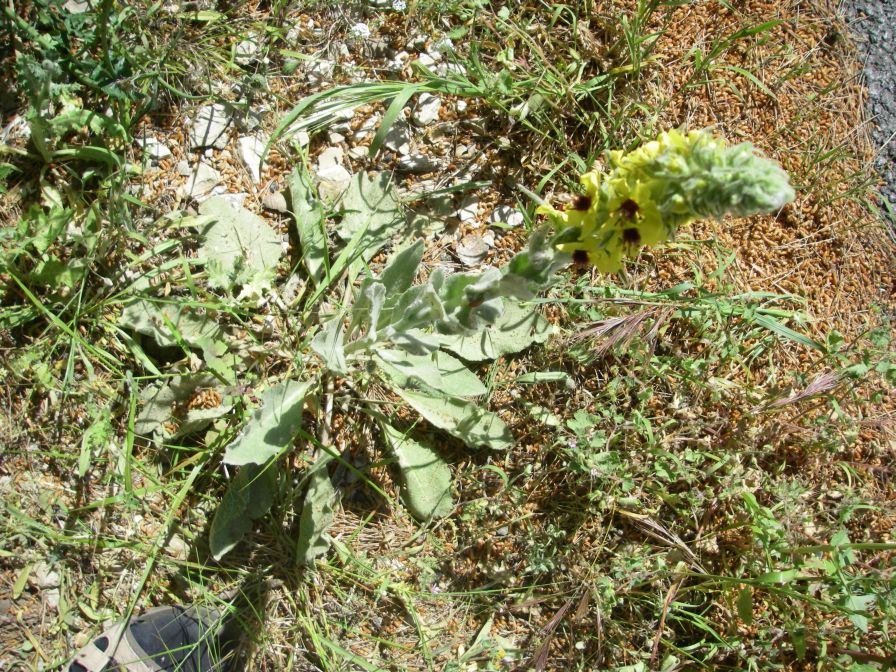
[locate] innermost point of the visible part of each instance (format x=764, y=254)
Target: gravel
x=873, y=23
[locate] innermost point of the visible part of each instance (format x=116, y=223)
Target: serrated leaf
x=425, y=476
x=272, y=425
x=317, y=513
x=371, y=209
x=463, y=419
x=439, y=371
x=515, y=330
x=166, y=321
x=249, y=496
x=328, y=345
x=310, y=223
x=239, y=247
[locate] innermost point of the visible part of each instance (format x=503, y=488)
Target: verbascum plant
x=649, y=193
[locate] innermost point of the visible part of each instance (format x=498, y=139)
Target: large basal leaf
x=164, y=322
x=438, y=371
x=249, y=496
x=272, y=425
x=239, y=247
x=371, y=210
x=309, y=216
x=464, y=419
x=317, y=513
x=426, y=478
x=162, y=416
x=515, y=330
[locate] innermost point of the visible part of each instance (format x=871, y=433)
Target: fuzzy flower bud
x=664, y=184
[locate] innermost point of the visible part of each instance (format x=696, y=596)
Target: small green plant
x=414, y=339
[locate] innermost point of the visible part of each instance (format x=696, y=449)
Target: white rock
x=335, y=138
x=246, y=51
x=442, y=46
x=251, y=149
x=397, y=62
x=332, y=182
x=45, y=576
x=235, y=200
x=445, y=69
x=358, y=153
x=489, y=238
x=183, y=167
x=320, y=71
x=202, y=181
x=468, y=210
x=461, y=105
x=302, y=139
x=398, y=139
x=275, y=201
x=426, y=61
x=331, y=156
x=76, y=6
x=504, y=214
x=471, y=250
x=427, y=110
x=417, y=42
x=153, y=148
x=417, y=163
x=209, y=127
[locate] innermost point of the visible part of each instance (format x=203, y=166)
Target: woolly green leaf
x=272, y=426
x=463, y=419
x=371, y=209
x=317, y=513
x=168, y=323
x=438, y=371
x=425, y=476
x=158, y=418
x=515, y=330
x=309, y=216
x=249, y=496
x=239, y=247
x=328, y=345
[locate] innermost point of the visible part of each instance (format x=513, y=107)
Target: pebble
x=471, y=249
x=246, y=52
x=153, y=148
x=236, y=200
x=319, y=71
x=398, y=139
x=332, y=181
x=331, y=156
x=45, y=576
x=427, y=109
x=417, y=163
x=468, y=211
x=335, y=138
x=251, y=150
x=275, y=201
x=209, y=127
x=504, y=214
x=201, y=181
